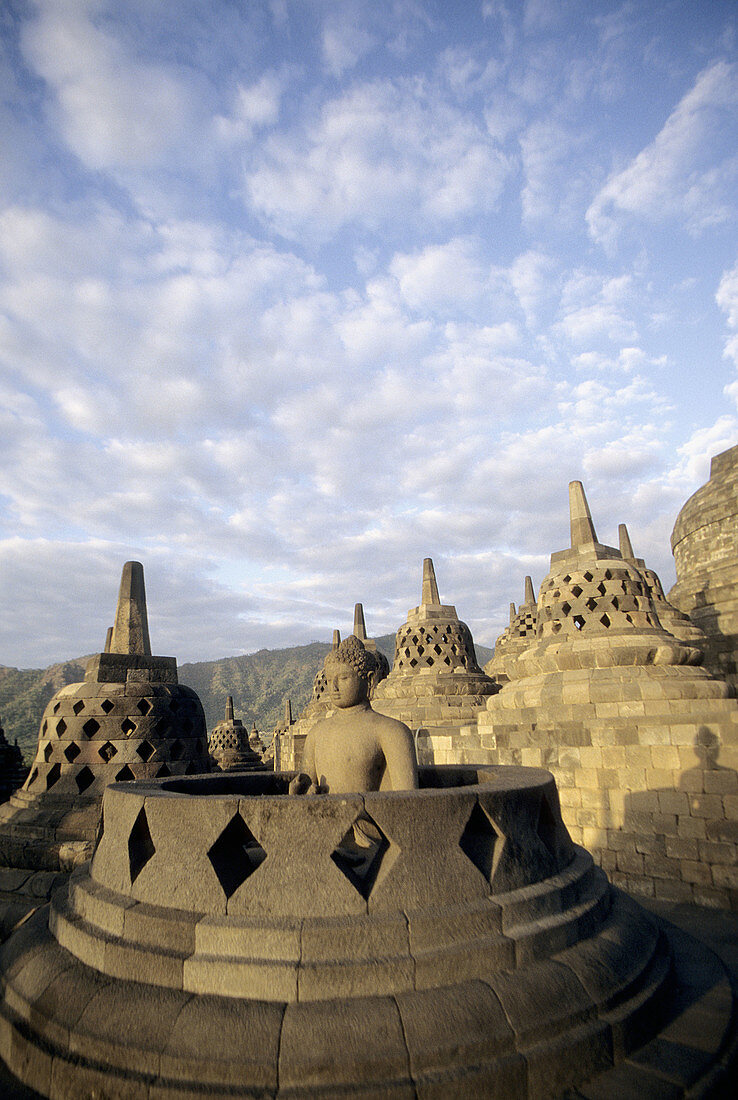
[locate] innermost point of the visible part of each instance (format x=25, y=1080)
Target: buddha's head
x=349, y=671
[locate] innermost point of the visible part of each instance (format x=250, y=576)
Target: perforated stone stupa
x=13, y=769
x=227, y=940
x=128, y=719
x=515, y=638
x=229, y=743
x=642, y=741
x=435, y=685
x=705, y=546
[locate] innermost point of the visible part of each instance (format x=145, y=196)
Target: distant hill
x=259, y=683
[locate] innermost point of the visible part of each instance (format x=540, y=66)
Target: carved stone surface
x=515, y=638
x=228, y=940
x=705, y=546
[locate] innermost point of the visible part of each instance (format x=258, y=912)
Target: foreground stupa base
x=471, y=951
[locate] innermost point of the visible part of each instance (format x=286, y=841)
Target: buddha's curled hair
x=351, y=652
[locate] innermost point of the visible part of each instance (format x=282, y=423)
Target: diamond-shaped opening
x=588, y=577
x=143, y=706
x=360, y=852
x=604, y=620
x=56, y=707
x=43, y=726
x=124, y=775
x=235, y=855
x=106, y=706
x=548, y=829
x=415, y=639
x=608, y=575
x=107, y=752
x=601, y=588
x=447, y=661
x=176, y=750
x=481, y=842
x=565, y=608
x=72, y=751
x=437, y=649
x=91, y=727
x=53, y=776
x=413, y=663
x=162, y=772
x=48, y=752
x=578, y=622
x=145, y=750
x=127, y=726
x=61, y=726
x=567, y=578
x=615, y=602
x=33, y=776
x=84, y=779
x=140, y=845
x=421, y=650
x=576, y=590
x=591, y=603
x=629, y=619
x=555, y=627
x=429, y=662
x=78, y=707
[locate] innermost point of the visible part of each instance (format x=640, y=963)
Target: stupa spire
x=229, y=709
x=530, y=596
x=430, y=588
x=359, y=624
x=131, y=629
x=582, y=528
x=108, y=640
x=336, y=639
x=288, y=711
x=512, y=611
x=626, y=549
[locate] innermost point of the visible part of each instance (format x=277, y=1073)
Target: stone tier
x=228, y=940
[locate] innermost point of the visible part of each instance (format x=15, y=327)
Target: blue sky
x=296, y=293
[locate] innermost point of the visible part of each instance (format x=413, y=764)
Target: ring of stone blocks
x=185, y=1043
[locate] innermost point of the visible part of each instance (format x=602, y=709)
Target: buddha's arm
x=399, y=754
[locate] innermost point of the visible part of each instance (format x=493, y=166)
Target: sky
x=295, y=293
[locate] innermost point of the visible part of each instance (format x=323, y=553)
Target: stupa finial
x=108, y=640
x=131, y=629
x=530, y=596
x=512, y=611
x=430, y=588
x=229, y=709
x=359, y=624
x=626, y=550
x=582, y=528
x=336, y=639
x=288, y=712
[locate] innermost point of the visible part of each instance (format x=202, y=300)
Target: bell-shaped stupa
x=705, y=546
x=615, y=706
x=515, y=638
x=435, y=685
x=229, y=744
x=128, y=719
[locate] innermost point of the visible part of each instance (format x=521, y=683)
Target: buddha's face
x=346, y=687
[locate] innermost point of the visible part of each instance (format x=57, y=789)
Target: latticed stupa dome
x=515, y=638
x=128, y=719
x=230, y=743
x=595, y=609
x=435, y=641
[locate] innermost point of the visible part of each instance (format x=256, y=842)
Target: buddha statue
x=355, y=748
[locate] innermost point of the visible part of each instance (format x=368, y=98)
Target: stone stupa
x=13, y=769
x=129, y=719
x=705, y=546
x=229, y=743
x=515, y=638
x=629, y=724
x=435, y=685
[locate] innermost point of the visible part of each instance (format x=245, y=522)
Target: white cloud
x=378, y=151
x=689, y=171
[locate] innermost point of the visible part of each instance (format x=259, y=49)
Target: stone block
x=691, y=826
x=241, y=1038
x=725, y=876
x=714, y=851
x=369, y=1046
x=544, y=998
x=682, y=848
x=705, y=805
x=665, y=757
x=659, y=866
x=631, y=863
x=673, y=802
x=696, y=872
x=672, y=890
